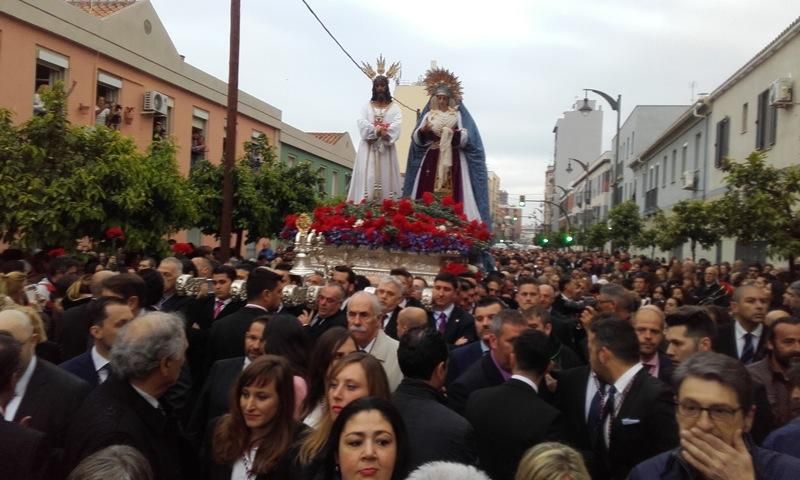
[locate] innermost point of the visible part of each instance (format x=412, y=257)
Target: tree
x=692, y=221
x=761, y=205
x=60, y=182
x=595, y=236
x=265, y=191
x=625, y=224
x=649, y=235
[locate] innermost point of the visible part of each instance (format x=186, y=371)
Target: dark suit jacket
x=176, y=304
x=665, y=368
x=461, y=358
x=115, y=414
x=82, y=367
x=509, y=419
x=481, y=374
x=73, y=332
x=435, y=432
x=51, y=399
x=339, y=319
x=459, y=324
x=201, y=311
x=24, y=453
x=644, y=427
x=215, y=397
x=726, y=342
x=391, y=326
x=226, y=339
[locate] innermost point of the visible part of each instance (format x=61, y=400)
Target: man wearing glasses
x=714, y=414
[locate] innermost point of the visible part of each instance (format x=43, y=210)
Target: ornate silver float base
x=370, y=263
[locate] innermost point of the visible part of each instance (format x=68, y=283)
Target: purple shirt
x=506, y=375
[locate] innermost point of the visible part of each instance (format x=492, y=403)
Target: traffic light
x=568, y=239
x=545, y=241
x=522, y=200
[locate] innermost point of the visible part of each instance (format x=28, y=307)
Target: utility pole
x=230, y=133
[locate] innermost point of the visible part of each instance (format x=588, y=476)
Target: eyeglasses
x=719, y=413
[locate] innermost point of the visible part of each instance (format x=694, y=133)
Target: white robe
x=376, y=163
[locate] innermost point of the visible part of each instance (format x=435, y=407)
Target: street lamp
x=569, y=165
x=616, y=105
x=564, y=191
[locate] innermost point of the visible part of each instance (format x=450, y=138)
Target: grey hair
x=339, y=289
x=507, y=317
x=177, y=264
x=794, y=286
x=447, y=471
x=144, y=342
x=375, y=304
x=120, y=462
x=394, y=281
x=19, y=319
x=719, y=368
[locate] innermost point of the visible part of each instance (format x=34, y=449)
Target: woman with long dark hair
x=368, y=440
x=253, y=441
x=330, y=347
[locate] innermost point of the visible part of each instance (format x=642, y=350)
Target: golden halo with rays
x=380, y=69
x=437, y=77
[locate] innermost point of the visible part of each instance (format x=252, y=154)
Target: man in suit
x=24, y=452
x=452, y=321
x=346, y=277
x=561, y=356
x=204, y=311
x=461, y=358
x=512, y=417
x=411, y=317
x=45, y=397
x=106, y=316
x=745, y=339
x=214, y=399
x=390, y=292
x=329, y=312
x=125, y=410
x=715, y=411
x=170, y=269
x=263, y=294
x=618, y=415
x=527, y=293
x=493, y=368
x=408, y=281
x=435, y=432
x=363, y=321
x=73, y=333
x=648, y=322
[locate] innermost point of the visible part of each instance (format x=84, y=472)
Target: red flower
x=448, y=201
x=459, y=209
x=182, y=249
x=405, y=207
x=427, y=198
x=115, y=232
x=455, y=268
x=289, y=221
x=388, y=205
x=57, y=252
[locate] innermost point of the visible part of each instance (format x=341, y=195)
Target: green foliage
x=596, y=236
x=761, y=205
x=265, y=191
x=60, y=182
x=625, y=222
x=692, y=221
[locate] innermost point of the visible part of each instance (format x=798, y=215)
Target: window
x=162, y=124
x=744, y=117
x=697, y=144
x=107, y=110
x=766, y=122
x=334, y=182
x=291, y=160
x=721, y=147
x=674, y=169
x=633, y=141
x=322, y=180
x=655, y=183
x=199, y=135
x=50, y=68
x=684, y=149
x=664, y=174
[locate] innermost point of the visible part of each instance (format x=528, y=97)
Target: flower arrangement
x=424, y=226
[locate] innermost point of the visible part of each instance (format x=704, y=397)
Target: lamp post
x=616, y=105
x=564, y=191
x=569, y=164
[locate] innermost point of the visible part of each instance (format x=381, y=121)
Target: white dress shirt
x=153, y=401
x=19, y=391
x=741, y=332
x=526, y=381
x=100, y=363
x=620, y=386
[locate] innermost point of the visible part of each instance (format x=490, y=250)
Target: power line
x=341, y=47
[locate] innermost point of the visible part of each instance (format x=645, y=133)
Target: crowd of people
x=552, y=366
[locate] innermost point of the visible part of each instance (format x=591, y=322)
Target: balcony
x=651, y=201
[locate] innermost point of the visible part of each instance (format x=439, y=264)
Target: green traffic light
x=568, y=238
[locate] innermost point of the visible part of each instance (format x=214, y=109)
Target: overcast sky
x=522, y=62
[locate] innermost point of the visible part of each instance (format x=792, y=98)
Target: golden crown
x=380, y=64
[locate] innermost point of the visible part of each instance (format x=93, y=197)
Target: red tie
x=218, y=307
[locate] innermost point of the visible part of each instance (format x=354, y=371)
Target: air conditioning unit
x=155, y=102
x=689, y=180
x=780, y=93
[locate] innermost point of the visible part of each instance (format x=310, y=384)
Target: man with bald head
x=73, y=334
x=147, y=358
x=411, y=317
x=648, y=323
x=40, y=383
